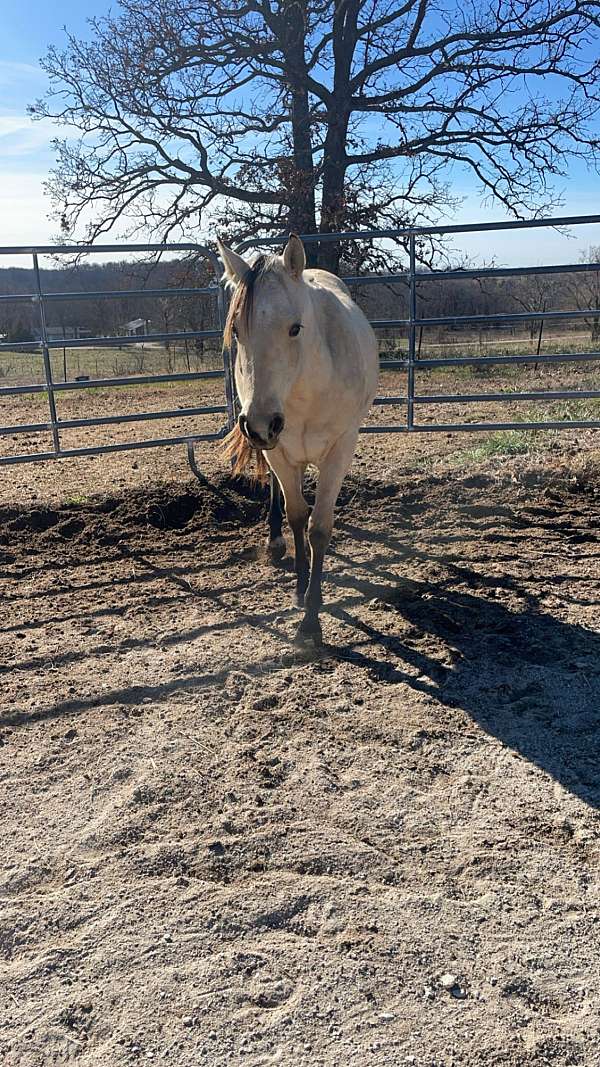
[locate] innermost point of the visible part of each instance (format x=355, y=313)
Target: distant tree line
x=529, y=293
x=107, y=317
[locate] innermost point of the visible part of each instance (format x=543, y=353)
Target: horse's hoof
x=309, y=634
x=276, y=549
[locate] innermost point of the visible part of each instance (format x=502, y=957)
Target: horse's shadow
x=525, y=676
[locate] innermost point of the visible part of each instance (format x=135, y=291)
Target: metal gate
x=51, y=388
x=412, y=364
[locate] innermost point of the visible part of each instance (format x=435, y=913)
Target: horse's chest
x=305, y=442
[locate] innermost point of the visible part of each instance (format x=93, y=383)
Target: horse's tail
x=239, y=451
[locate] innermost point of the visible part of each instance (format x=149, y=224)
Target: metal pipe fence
x=54, y=424
x=412, y=403
x=411, y=365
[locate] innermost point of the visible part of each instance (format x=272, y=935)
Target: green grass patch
x=502, y=443
x=524, y=442
x=572, y=410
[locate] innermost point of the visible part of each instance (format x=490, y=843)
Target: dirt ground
x=218, y=851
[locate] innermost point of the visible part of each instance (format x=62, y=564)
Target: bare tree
x=585, y=291
x=317, y=114
x=535, y=292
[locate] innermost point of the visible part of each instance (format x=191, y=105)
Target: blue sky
x=29, y=26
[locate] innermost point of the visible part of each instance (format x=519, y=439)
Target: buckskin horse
x=306, y=373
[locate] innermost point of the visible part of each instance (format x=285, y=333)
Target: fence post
x=540, y=332
x=412, y=315
x=46, y=354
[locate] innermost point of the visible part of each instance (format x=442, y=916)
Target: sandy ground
x=216, y=851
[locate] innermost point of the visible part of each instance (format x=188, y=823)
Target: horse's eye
x=295, y=329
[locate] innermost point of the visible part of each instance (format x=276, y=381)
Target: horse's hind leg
x=276, y=546
x=331, y=476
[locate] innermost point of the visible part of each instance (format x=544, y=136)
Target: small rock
x=448, y=981
x=217, y=848
x=458, y=993
x=188, y=1020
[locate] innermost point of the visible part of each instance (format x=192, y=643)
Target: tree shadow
x=528, y=678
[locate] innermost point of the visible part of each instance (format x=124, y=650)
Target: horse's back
x=323, y=279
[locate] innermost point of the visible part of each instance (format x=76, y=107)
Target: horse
x=306, y=374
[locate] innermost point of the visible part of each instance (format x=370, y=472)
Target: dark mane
x=243, y=298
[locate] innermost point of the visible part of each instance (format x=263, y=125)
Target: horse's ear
x=294, y=259
x=235, y=266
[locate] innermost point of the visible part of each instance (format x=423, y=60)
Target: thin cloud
x=23, y=212
x=11, y=72
x=20, y=137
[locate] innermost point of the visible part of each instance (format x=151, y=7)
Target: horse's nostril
x=275, y=426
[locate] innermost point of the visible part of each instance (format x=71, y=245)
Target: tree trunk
x=299, y=178
x=333, y=207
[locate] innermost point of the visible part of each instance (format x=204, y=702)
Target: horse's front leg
x=331, y=476
x=297, y=510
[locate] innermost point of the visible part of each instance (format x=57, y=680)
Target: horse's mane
x=238, y=450
x=242, y=301
x=236, y=447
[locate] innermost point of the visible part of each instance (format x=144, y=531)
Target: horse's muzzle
x=274, y=428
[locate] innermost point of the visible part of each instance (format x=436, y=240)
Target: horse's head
x=271, y=318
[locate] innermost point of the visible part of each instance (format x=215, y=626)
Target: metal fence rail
x=51, y=388
x=412, y=364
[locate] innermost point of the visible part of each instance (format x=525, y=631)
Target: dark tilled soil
x=219, y=851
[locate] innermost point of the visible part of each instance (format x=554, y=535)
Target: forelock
x=242, y=301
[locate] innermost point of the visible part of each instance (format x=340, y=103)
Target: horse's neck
x=317, y=365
